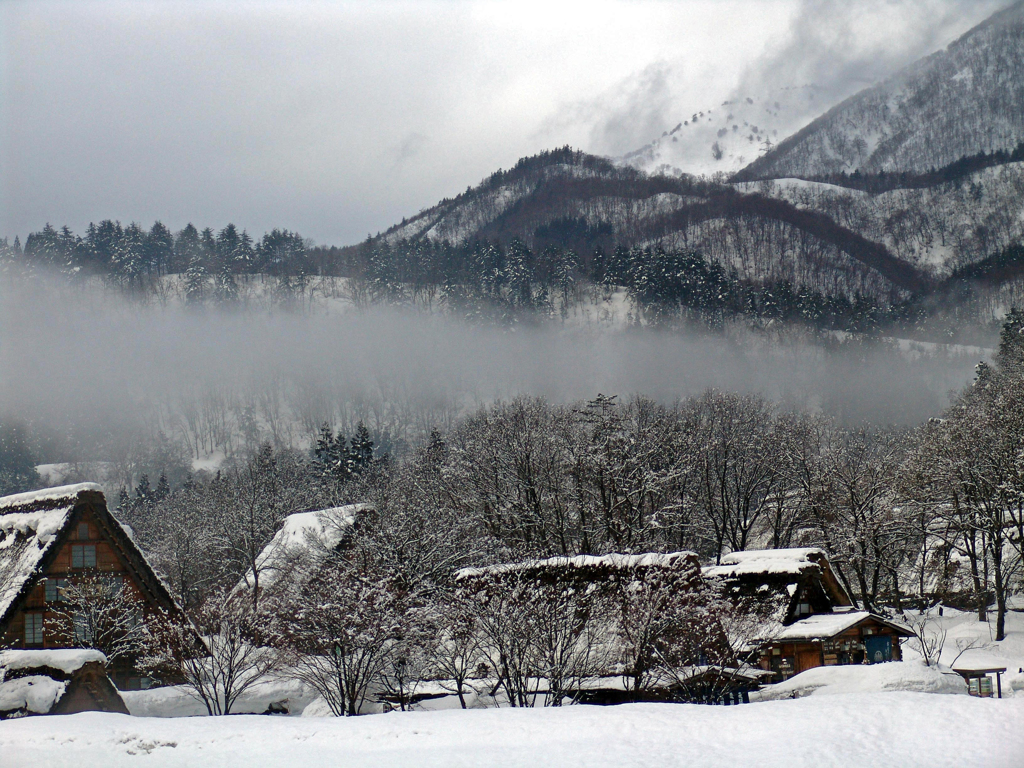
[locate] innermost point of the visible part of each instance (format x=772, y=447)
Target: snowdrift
x=891, y=729
x=894, y=676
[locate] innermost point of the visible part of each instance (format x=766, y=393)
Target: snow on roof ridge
x=826, y=625
x=792, y=553
x=55, y=494
x=767, y=562
x=328, y=526
x=613, y=560
x=344, y=509
x=67, y=660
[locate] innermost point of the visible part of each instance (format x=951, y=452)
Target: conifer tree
x=362, y=447
x=195, y=281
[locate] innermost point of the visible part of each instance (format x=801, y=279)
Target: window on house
x=802, y=609
x=83, y=555
x=114, y=583
x=83, y=629
x=54, y=590
x=33, y=629
x=83, y=531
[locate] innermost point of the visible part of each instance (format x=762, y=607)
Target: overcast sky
x=338, y=119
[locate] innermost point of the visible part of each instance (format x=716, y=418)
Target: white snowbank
x=36, y=693
x=67, y=660
x=857, y=678
x=892, y=729
x=176, y=701
x=971, y=643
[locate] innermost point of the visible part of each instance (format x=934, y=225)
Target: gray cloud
x=626, y=116
x=311, y=115
x=840, y=48
x=411, y=146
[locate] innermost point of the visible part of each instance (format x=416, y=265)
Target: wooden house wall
x=796, y=657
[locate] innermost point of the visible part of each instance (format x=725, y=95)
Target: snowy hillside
x=725, y=138
x=939, y=228
x=764, y=240
x=966, y=99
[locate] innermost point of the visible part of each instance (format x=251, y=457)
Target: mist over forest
x=100, y=373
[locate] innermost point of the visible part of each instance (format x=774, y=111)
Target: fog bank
x=87, y=366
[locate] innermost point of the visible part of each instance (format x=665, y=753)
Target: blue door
x=879, y=648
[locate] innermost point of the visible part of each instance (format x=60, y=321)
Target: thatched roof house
x=56, y=537
x=799, y=615
x=291, y=559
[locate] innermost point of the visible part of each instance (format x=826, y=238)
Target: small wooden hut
x=56, y=682
x=829, y=639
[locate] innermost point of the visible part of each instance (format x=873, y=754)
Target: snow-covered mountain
x=966, y=99
x=884, y=240
x=725, y=138
x=763, y=237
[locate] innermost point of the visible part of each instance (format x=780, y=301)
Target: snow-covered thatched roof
x=767, y=562
x=582, y=563
x=768, y=585
x=302, y=537
x=779, y=570
x=29, y=527
x=66, y=660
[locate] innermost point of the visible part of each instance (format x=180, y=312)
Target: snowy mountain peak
x=961, y=101
x=726, y=137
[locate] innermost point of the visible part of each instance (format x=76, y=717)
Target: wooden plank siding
x=848, y=647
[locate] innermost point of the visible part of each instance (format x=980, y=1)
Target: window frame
x=80, y=550
x=54, y=586
x=34, y=622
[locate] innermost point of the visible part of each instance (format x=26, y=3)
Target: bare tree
x=929, y=636
x=665, y=624
x=848, y=481
x=344, y=633
x=743, y=465
x=504, y=616
x=100, y=611
x=458, y=652
x=214, y=652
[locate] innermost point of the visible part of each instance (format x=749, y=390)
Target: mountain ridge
x=945, y=106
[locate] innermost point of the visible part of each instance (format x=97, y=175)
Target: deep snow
x=865, y=678
x=888, y=729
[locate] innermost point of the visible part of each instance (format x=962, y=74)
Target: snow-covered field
x=887, y=729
